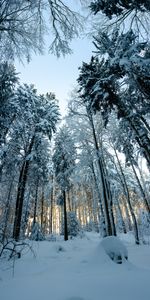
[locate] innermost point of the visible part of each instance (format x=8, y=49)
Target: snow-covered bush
x=36, y=233
x=115, y=249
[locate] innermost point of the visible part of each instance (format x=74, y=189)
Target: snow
x=114, y=248
x=78, y=269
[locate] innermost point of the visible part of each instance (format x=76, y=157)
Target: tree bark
x=100, y=203
x=122, y=220
x=51, y=206
x=42, y=211
x=147, y=206
x=65, y=217
x=7, y=212
x=137, y=241
x=105, y=193
x=20, y=194
x=35, y=202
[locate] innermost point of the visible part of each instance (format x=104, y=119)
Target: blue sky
x=57, y=75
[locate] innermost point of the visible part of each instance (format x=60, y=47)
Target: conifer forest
x=75, y=188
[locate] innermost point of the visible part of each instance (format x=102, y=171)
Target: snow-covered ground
x=78, y=269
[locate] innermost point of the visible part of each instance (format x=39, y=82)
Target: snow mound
x=115, y=249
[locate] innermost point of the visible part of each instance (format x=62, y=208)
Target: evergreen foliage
x=64, y=157
x=72, y=223
x=118, y=7
x=36, y=233
x=8, y=81
x=120, y=80
x=64, y=162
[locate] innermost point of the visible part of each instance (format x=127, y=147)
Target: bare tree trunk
x=104, y=187
x=124, y=203
x=143, y=182
x=100, y=202
x=35, y=202
x=26, y=216
x=110, y=198
x=121, y=217
x=51, y=207
x=69, y=201
x=146, y=203
x=137, y=241
x=20, y=194
x=7, y=211
x=42, y=210
x=65, y=217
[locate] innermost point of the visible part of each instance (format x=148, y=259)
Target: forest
x=77, y=184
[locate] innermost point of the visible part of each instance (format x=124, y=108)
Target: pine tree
x=119, y=80
x=102, y=179
x=8, y=81
x=39, y=119
x=119, y=7
x=64, y=163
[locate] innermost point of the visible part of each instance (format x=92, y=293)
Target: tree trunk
x=110, y=198
x=35, y=202
x=69, y=200
x=127, y=212
x=25, y=228
x=124, y=203
x=51, y=207
x=65, y=217
x=7, y=212
x=20, y=194
x=121, y=217
x=147, y=206
x=100, y=203
x=42, y=211
x=104, y=187
x=137, y=241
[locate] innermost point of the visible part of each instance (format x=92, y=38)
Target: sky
x=58, y=75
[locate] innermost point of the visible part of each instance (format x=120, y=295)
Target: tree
x=72, y=224
x=36, y=233
x=119, y=80
x=64, y=163
x=39, y=119
x=8, y=82
x=25, y=23
x=86, y=192
x=124, y=15
x=103, y=178
x=110, y=8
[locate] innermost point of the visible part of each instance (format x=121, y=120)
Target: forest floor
x=76, y=270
